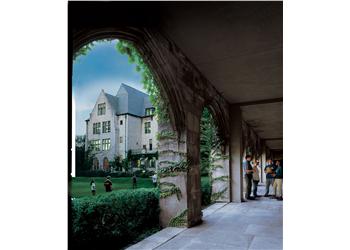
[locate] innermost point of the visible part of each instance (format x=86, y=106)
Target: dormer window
x=149, y=111
x=101, y=109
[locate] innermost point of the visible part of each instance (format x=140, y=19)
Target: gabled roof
x=129, y=100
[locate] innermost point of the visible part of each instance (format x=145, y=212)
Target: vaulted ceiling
x=238, y=47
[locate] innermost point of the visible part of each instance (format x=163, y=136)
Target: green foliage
x=209, y=141
x=83, y=51
x=114, y=219
x=166, y=134
x=168, y=189
x=220, y=178
x=206, y=191
x=180, y=220
x=116, y=164
x=216, y=196
x=83, y=159
x=143, y=173
x=147, y=78
x=173, y=169
x=102, y=173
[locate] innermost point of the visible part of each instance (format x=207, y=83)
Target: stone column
x=236, y=151
x=194, y=214
x=173, y=185
x=263, y=163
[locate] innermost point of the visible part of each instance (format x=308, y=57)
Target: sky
x=102, y=68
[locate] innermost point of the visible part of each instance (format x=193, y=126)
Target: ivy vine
x=168, y=189
x=166, y=134
x=217, y=195
x=180, y=220
x=221, y=178
x=173, y=168
x=147, y=78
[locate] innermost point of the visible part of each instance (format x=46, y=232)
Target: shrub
x=206, y=192
x=142, y=174
x=114, y=219
x=101, y=173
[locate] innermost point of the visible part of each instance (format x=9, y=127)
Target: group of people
x=274, y=177
x=108, y=183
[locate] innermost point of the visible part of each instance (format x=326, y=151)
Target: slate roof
x=129, y=100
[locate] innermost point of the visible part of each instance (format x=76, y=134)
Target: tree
x=83, y=159
x=147, y=78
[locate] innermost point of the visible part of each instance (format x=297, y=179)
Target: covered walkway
x=248, y=225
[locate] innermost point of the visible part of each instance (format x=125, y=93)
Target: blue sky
x=102, y=68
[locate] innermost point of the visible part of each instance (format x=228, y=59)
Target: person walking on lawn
x=256, y=179
x=154, y=180
x=248, y=176
x=93, y=186
x=108, y=184
x=134, y=182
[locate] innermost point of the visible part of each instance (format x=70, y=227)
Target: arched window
x=105, y=164
x=96, y=164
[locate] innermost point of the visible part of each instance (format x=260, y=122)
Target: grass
x=81, y=185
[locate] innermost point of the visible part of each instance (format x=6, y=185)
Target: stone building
x=121, y=123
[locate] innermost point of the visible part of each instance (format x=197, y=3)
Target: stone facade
x=126, y=132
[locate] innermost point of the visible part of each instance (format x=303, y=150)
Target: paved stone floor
x=249, y=225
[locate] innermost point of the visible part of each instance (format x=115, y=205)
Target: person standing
x=134, y=182
x=108, y=184
x=277, y=185
x=256, y=179
x=269, y=170
x=154, y=180
x=248, y=175
x=93, y=186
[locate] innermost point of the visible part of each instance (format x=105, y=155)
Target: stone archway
x=185, y=91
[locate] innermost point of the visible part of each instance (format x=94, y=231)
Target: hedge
x=114, y=220
x=101, y=173
x=119, y=218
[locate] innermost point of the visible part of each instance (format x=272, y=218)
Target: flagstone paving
x=249, y=225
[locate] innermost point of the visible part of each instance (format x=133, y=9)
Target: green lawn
x=81, y=185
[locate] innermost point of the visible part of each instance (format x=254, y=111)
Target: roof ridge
x=132, y=88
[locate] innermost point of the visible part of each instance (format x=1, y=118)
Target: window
x=105, y=163
x=150, y=144
x=96, y=128
x=144, y=147
x=147, y=127
x=95, y=164
x=101, y=109
x=106, y=127
x=121, y=122
x=106, y=144
x=121, y=139
x=95, y=145
x=149, y=111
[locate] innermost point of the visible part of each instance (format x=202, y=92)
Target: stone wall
x=186, y=91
